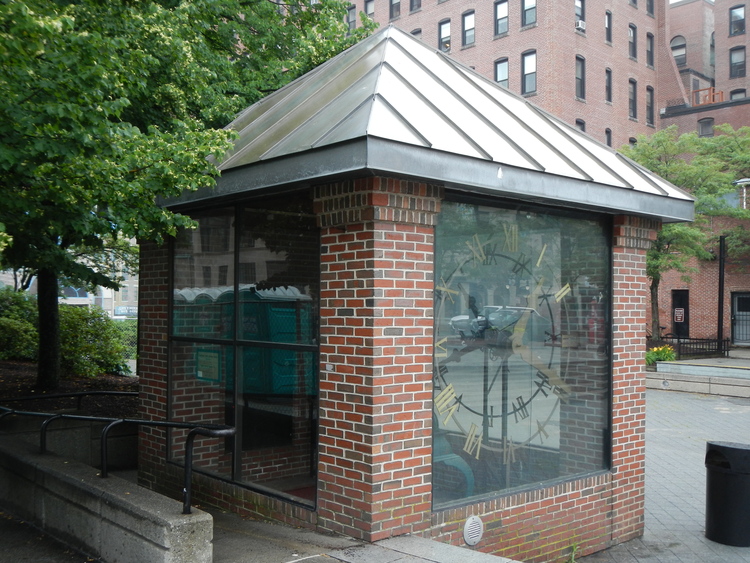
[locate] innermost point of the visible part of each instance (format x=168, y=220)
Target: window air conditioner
x=580, y=25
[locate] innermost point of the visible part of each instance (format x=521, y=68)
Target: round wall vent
x=473, y=530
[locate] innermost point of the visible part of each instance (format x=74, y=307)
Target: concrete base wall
x=111, y=519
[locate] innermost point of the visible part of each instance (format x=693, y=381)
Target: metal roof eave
x=371, y=155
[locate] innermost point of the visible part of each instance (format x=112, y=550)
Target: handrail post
x=43, y=432
x=187, y=483
x=104, y=449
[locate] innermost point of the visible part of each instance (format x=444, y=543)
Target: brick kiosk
x=328, y=294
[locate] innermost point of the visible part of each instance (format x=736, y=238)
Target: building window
x=501, y=17
x=395, y=9
x=649, y=105
x=706, y=127
x=608, y=27
x=528, y=72
x=467, y=35
x=537, y=414
x=580, y=15
x=581, y=125
x=649, y=49
x=415, y=5
x=738, y=94
x=650, y=7
x=580, y=78
x=444, y=35
x=632, y=141
x=417, y=33
x=632, y=99
x=351, y=17
x=370, y=8
x=679, y=50
x=248, y=352
x=712, y=50
x=608, y=137
x=737, y=62
x=528, y=12
x=501, y=72
x=737, y=20
x=633, y=41
x=608, y=85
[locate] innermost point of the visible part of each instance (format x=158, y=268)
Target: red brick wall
x=376, y=356
x=376, y=391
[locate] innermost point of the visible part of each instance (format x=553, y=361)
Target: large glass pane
x=202, y=392
x=203, y=305
x=277, y=421
x=521, y=389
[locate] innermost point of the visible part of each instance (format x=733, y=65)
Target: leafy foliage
x=90, y=343
x=107, y=106
x=18, y=340
x=661, y=354
x=18, y=305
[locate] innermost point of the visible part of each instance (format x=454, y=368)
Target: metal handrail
x=212, y=430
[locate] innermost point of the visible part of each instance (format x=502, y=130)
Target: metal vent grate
x=473, y=530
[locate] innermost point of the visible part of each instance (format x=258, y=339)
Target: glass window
x=580, y=78
x=738, y=94
x=521, y=392
x=580, y=12
x=633, y=41
x=351, y=17
x=608, y=137
x=649, y=105
x=737, y=62
x=246, y=353
x=649, y=49
x=501, y=17
x=706, y=127
x=395, y=9
x=415, y=5
x=528, y=72
x=528, y=12
x=467, y=35
x=650, y=7
x=679, y=50
x=632, y=99
x=444, y=35
x=608, y=85
x=608, y=27
x=501, y=72
x=370, y=8
x=737, y=20
x=581, y=125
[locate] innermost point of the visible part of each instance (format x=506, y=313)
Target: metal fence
x=128, y=329
x=709, y=347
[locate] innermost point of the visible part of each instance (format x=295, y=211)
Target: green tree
x=705, y=167
x=107, y=106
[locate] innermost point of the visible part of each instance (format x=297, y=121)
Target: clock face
x=510, y=302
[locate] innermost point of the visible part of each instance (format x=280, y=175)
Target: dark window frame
x=501, y=23
x=528, y=79
x=580, y=77
x=468, y=34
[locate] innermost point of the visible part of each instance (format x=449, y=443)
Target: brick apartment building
x=616, y=69
x=419, y=300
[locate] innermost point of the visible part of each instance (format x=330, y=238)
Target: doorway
x=741, y=319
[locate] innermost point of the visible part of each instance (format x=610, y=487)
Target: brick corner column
x=632, y=237
x=374, y=467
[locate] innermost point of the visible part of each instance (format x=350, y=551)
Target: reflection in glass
x=521, y=349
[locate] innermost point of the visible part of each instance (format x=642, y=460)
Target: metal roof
x=391, y=105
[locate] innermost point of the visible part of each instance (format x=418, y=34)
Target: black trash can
x=728, y=493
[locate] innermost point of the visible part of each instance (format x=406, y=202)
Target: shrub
x=128, y=330
x=18, y=305
x=18, y=340
x=661, y=354
x=90, y=343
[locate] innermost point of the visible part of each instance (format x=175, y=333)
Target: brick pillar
x=632, y=238
x=376, y=325
x=153, y=299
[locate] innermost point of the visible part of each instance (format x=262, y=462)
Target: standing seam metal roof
x=393, y=88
